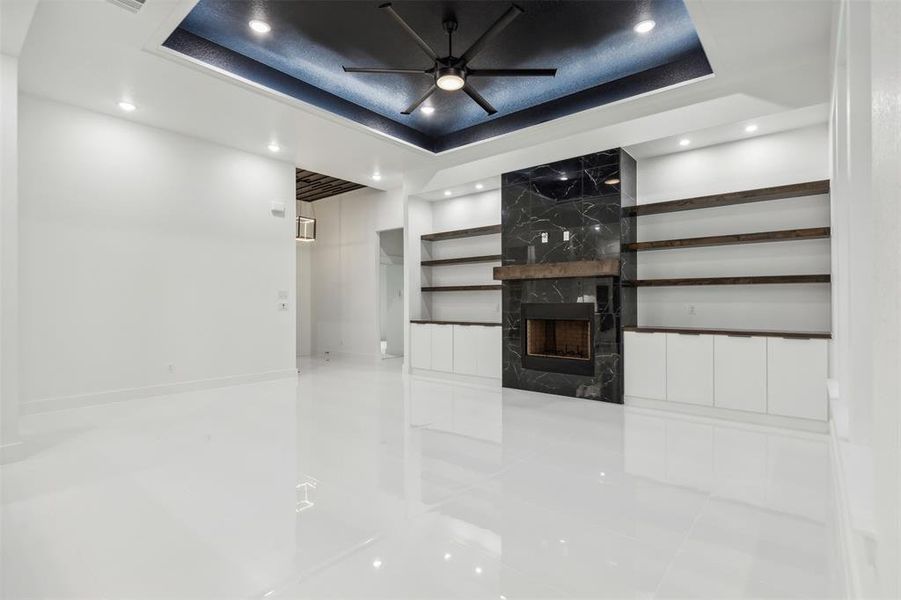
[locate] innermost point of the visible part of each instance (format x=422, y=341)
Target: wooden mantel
x=606, y=267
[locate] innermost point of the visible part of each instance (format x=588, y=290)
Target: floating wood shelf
x=461, y=261
x=474, y=323
x=781, y=192
x=461, y=233
x=749, y=280
x=462, y=288
x=607, y=267
x=810, y=233
x=806, y=335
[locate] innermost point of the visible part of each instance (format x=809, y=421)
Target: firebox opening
x=559, y=338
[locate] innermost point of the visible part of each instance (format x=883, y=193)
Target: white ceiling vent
x=132, y=5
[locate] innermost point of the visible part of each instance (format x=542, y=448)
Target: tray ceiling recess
x=445, y=74
x=312, y=186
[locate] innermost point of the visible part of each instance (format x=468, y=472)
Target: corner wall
x=150, y=261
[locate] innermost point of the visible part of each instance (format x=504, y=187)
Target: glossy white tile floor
x=351, y=482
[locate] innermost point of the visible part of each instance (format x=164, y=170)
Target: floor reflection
x=357, y=482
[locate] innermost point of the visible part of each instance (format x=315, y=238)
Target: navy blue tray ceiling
x=598, y=56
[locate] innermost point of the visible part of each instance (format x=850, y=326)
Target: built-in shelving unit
x=461, y=233
x=802, y=335
x=780, y=192
x=747, y=280
x=809, y=233
x=461, y=288
x=462, y=261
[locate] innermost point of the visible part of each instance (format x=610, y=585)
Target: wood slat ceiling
x=312, y=186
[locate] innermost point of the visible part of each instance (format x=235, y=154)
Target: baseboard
x=740, y=416
x=11, y=452
x=43, y=405
x=844, y=529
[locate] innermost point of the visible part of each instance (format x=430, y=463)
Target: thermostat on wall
x=278, y=208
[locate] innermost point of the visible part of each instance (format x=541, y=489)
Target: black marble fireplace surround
x=565, y=211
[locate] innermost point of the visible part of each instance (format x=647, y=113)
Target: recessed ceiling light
x=479, y=186
x=273, y=147
x=376, y=176
x=428, y=110
x=644, y=26
x=751, y=128
x=684, y=142
x=127, y=106
x=260, y=26
x=478, y=570
x=377, y=564
x=563, y=178
x=447, y=192
x=611, y=181
x=447, y=556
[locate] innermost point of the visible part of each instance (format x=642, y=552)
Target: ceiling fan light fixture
x=644, y=26
x=450, y=79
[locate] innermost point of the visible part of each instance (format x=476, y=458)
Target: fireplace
x=558, y=337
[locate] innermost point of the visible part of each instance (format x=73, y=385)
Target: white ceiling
x=770, y=58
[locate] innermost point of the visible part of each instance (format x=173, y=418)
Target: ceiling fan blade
x=506, y=18
x=479, y=99
x=381, y=70
x=421, y=42
x=511, y=72
x=416, y=104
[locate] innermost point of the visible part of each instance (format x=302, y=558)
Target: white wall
x=760, y=161
x=345, y=269
x=9, y=262
x=866, y=347
x=391, y=290
x=142, y=249
x=304, y=288
x=473, y=210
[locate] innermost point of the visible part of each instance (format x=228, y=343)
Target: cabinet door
x=443, y=348
x=466, y=344
x=739, y=373
x=645, y=364
x=488, y=351
x=421, y=345
x=689, y=368
x=796, y=378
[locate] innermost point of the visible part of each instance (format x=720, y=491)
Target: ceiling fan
x=451, y=72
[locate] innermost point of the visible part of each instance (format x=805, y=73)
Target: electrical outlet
x=283, y=294
x=283, y=306
x=544, y=237
x=172, y=367
x=691, y=309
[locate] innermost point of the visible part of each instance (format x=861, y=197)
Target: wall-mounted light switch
x=283, y=294
x=283, y=306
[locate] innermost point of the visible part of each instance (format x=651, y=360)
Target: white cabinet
x=796, y=378
x=466, y=342
x=442, y=348
x=739, y=373
x=477, y=350
x=488, y=351
x=645, y=364
x=421, y=345
x=689, y=368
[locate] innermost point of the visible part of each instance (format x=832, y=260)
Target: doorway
x=391, y=293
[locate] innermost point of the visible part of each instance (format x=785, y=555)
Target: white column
x=10, y=445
